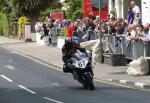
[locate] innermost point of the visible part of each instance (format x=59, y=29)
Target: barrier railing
x=132, y=49
x=53, y=35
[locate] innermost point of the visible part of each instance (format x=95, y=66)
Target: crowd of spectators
x=47, y=27
x=89, y=28
x=130, y=29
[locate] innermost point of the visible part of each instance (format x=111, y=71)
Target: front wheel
x=89, y=82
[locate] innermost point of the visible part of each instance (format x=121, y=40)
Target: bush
x=5, y=25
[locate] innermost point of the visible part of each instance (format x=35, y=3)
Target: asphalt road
x=24, y=81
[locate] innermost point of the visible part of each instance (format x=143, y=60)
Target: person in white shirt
x=137, y=12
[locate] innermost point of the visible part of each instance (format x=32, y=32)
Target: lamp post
x=100, y=33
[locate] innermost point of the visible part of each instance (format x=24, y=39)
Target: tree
x=73, y=6
x=13, y=9
x=4, y=6
x=78, y=14
x=29, y=7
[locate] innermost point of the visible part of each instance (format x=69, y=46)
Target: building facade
x=145, y=11
x=121, y=7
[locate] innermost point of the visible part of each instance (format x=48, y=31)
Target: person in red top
x=72, y=28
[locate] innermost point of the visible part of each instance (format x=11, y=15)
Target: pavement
x=52, y=56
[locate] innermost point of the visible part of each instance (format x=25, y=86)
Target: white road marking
x=49, y=99
x=55, y=84
x=123, y=81
x=139, y=84
x=10, y=67
x=6, y=78
x=110, y=80
x=26, y=89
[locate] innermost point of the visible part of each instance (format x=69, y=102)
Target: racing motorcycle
x=81, y=67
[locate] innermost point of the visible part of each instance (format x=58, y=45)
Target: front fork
x=80, y=75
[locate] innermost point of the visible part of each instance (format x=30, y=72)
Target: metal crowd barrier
x=132, y=49
x=53, y=36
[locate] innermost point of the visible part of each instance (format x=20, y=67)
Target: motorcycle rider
x=68, y=49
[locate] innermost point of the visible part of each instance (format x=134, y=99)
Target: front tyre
x=89, y=81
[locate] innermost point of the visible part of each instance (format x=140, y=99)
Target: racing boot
x=65, y=69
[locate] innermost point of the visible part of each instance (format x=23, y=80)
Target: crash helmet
x=68, y=40
x=73, y=39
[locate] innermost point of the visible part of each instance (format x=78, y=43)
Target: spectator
x=96, y=23
x=139, y=31
x=130, y=17
x=91, y=16
x=97, y=20
x=136, y=11
x=47, y=19
x=113, y=13
x=57, y=24
x=90, y=24
x=84, y=25
x=50, y=24
x=45, y=30
x=133, y=33
x=108, y=17
x=71, y=28
x=128, y=31
x=104, y=29
x=112, y=24
x=90, y=35
x=120, y=29
x=146, y=34
x=38, y=26
x=149, y=28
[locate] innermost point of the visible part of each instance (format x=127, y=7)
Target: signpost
x=100, y=33
x=99, y=4
x=57, y=16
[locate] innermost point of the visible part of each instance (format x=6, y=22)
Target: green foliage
x=5, y=25
x=17, y=8
x=30, y=8
x=4, y=6
x=54, y=7
x=48, y=11
x=77, y=15
x=63, y=32
x=73, y=5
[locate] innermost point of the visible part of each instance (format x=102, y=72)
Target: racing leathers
x=67, y=50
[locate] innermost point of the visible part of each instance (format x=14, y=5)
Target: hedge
x=5, y=25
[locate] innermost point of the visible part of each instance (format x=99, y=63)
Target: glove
x=83, y=50
x=69, y=65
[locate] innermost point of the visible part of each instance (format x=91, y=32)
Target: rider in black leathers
x=69, y=47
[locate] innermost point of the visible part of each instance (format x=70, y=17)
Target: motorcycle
x=82, y=69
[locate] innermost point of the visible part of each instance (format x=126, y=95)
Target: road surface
x=23, y=80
